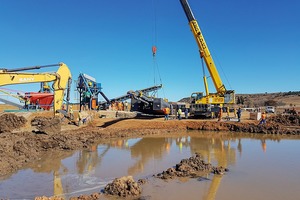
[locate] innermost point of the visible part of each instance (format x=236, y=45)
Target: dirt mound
x=123, y=187
x=190, y=167
x=94, y=196
x=287, y=120
x=9, y=122
x=46, y=125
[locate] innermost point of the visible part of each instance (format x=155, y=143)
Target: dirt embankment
x=20, y=146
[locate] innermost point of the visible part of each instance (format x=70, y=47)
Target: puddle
x=259, y=166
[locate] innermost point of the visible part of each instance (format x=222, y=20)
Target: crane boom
x=222, y=95
x=203, y=48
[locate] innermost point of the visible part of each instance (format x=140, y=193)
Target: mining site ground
x=21, y=144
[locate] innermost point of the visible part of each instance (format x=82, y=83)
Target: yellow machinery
x=61, y=80
x=15, y=96
x=205, y=105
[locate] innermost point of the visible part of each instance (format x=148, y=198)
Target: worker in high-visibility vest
x=166, y=113
x=27, y=103
x=79, y=118
x=263, y=118
x=220, y=114
x=71, y=112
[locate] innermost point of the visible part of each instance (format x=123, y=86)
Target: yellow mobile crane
x=61, y=80
x=206, y=105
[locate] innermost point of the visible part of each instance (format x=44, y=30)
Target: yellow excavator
x=61, y=79
x=206, y=105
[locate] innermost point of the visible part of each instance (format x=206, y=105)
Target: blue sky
x=255, y=44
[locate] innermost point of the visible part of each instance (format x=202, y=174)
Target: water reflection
x=146, y=149
x=218, y=149
x=88, y=159
x=51, y=163
x=67, y=174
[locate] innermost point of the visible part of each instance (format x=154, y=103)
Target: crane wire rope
x=223, y=72
x=154, y=48
x=203, y=67
x=221, y=67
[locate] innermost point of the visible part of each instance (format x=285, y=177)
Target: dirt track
x=20, y=145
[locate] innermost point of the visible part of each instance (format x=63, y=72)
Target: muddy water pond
x=260, y=167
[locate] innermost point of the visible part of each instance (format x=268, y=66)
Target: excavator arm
x=61, y=78
x=62, y=83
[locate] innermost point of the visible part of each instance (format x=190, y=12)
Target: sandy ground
x=22, y=144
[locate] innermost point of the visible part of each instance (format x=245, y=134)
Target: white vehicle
x=270, y=109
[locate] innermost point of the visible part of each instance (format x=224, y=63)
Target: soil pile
x=9, y=122
x=123, y=187
x=94, y=196
x=287, y=120
x=270, y=127
x=46, y=125
x=191, y=167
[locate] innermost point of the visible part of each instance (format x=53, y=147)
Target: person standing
x=179, y=112
x=79, y=118
x=186, y=113
x=37, y=104
x=235, y=112
x=71, y=112
x=228, y=113
x=263, y=118
x=166, y=112
x=126, y=106
x=27, y=102
x=220, y=113
x=239, y=113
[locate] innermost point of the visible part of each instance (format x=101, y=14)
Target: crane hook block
x=154, y=50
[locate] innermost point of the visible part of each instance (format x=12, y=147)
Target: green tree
x=271, y=103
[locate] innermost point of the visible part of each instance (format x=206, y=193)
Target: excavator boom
x=61, y=79
x=27, y=68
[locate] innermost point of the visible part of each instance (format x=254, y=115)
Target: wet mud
x=126, y=187
x=193, y=167
x=20, y=147
x=123, y=187
x=286, y=120
x=10, y=122
x=46, y=125
x=281, y=124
